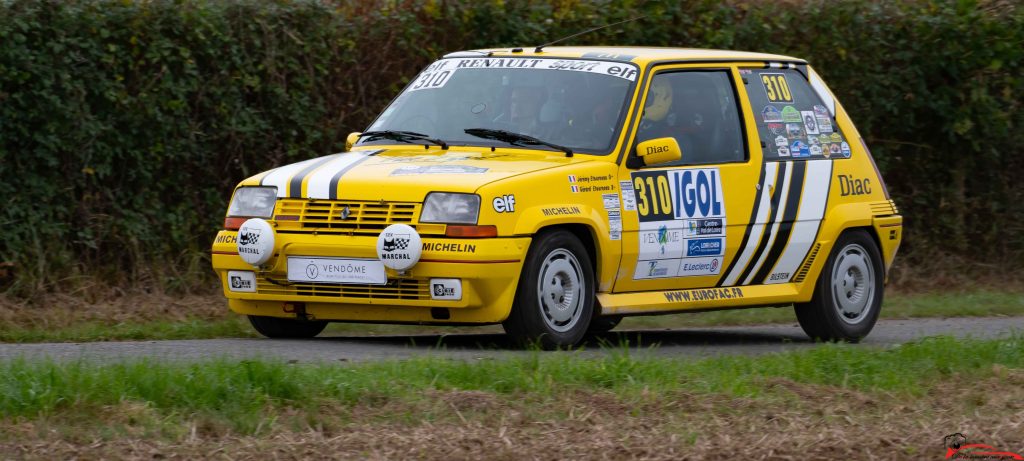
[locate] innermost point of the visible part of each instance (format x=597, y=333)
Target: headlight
x=253, y=202
x=450, y=208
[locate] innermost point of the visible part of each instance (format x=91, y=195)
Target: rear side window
x=792, y=121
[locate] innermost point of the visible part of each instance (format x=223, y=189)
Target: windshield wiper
x=514, y=139
x=402, y=136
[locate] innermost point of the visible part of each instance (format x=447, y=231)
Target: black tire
x=603, y=323
x=277, y=327
x=848, y=294
x=563, y=319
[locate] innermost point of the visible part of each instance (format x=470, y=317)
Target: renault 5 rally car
x=556, y=190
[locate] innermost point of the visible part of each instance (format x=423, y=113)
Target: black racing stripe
x=295, y=185
x=766, y=235
x=817, y=232
x=338, y=175
x=796, y=189
x=746, y=233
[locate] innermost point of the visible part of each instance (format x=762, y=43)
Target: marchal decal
x=255, y=241
x=399, y=247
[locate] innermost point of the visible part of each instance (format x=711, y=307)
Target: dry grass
x=63, y=310
x=794, y=421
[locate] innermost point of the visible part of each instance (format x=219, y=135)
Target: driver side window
x=699, y=110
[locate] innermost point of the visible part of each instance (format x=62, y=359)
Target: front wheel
x=276, y=327
x=848, y=295
x=555, y=297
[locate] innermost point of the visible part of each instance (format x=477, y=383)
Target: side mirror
x=352, y=138
x=659, y=150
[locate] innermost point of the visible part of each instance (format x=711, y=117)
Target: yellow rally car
x=557, y=190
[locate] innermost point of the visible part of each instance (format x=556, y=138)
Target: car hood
x=404, y=174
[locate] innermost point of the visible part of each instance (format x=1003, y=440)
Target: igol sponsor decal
x=708, y=294
x=449, y=247
x=555, y=211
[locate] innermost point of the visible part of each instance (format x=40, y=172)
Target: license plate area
x=336, y=270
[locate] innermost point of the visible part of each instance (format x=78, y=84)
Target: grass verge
x=155, y=317
x=861, y=402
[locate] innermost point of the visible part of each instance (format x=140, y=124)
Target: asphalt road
x=694, y=342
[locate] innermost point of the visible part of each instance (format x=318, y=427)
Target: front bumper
x=488, y=268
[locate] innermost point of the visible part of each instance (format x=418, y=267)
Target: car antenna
x=538, y=49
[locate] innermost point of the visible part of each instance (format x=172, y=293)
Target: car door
x=689, y=218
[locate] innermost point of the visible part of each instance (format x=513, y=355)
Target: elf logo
x=504, y=204
x=848, y=185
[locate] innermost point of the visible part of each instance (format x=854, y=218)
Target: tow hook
x=299, y=309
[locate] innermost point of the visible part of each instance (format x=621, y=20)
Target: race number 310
x=776, y=87
x=431, y=80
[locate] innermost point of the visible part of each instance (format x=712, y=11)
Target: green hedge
x=124, y=125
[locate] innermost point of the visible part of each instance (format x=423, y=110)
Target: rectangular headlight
x=253, y=202
x=450, y=208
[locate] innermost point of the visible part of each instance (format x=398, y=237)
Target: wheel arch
x=583, y=232
x=818, y=266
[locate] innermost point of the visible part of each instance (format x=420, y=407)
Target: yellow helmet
x=659, y=100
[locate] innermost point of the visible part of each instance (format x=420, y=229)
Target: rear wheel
x=555, y=297
x=277, y=327
x=848, y=295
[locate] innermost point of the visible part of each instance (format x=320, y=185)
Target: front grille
x=361, y=218
x=410, y=289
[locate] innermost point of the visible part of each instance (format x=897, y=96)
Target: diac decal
x=848, y=185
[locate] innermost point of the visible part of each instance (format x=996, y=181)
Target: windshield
x=574, y=103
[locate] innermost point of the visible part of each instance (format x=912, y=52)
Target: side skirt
x=700, y=299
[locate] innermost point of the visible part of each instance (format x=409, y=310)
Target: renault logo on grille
x=345, y=212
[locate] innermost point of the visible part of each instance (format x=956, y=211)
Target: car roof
x=638, y=55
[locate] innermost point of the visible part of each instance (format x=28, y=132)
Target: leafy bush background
x=124, y=125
